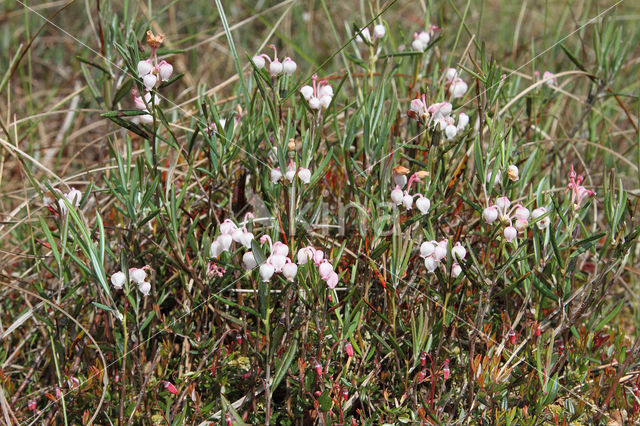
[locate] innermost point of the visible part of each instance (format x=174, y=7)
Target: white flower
x=307, y=92
x=145, y=288
x=146, y=118
x=426, y=249
x=441, y=250
x=305, y=254
x=496, y=180
x=423, y=204
x=237, y=234
x=510, y=233
x=144, y=67
x=258, y=61
x=463, y=120
x=318, y=255
x=137, y=275
x=379, y=31
x=418, y=45
x=542, y=223
x=397, y=196
x=458, y=251
x=490, y=214
x=246, y=239
x=521, y=224
x=289, y=270
x=227, y=226
x=451, y=131
x=216, y=249
x=503, y=203
x=275, y=175
x=458, y=88
x=305, y=175
x=325, y=101
x=277, y=261
x=364, y=34
x=314, y=103
x=456, y=270
x=325, y=90
x=165, y=69
x=522, y=213
x=289, y=66
x=450, y=74
x=266, y=271
x=275, y=68
x=280, y=249
x=118, y=279
x=407, y=200
x=225, y=241
x=332, y=280
x=249, y=260
x=424, y=37
x=430, y=263
x=149, y=81
x=74, y=196
x=325, y=269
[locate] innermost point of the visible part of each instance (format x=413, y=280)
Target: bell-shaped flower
x=289, y=66
x=450, y=131
x=306, y=92
x=225, y=241
x=165, y=69
x=363, y=35
x=249, y=260
x=456, y=270
x=216, y=249
x=305, y=175
x=325, y=269
x=463, y=121
x=430, y=263
x=275, y=175
x=118, y=279
x=490, y=214
x=304, y=255
x=144, y=287
x=291, y=171
x=441, y=250
x=458, y=88
x=379, y=31
x=318, y=256
x=503, y=203
x=277, y=261
x=145, y=67
x=227, y=226
x=280, y=248
x=289, y=270
x=522, y=213
x=137, y=275
x=423, y=204
x=544, y=222
x=407, y=200
x=510, y=233
x=332, y=280
x=246, y=239
x=513, y=173
x=266, y=271
x=149, y=81
x=275, y=68
x=427, y=248
x=258, y=61
x=397, y=196
x=458, y=251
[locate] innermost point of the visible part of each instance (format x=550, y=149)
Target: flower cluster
x=438, y=115
x=515, y=218
x=434, y=252
x=276, y=68
x=230, y=233
x=578, y=192
x=325, y=268
x=277, y=262
x=365, y=35
x=137, y=275
x=421, y=40
x=303, y=173
x=549, y=76
x=152, y=74
x=398, y=196
x=319, y=95
x=456, y=86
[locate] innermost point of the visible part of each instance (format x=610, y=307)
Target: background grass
x=240, y=349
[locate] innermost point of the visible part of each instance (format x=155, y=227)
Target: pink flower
x=170, y=387
x=578, y=192
x=348, y=349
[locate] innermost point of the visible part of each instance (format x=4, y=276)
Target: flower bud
x=170, y=387
x=379, y=31
x=348, y=349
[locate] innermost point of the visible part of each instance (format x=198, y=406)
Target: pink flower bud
x=348, y=349
x=511, y=335
x=169, y=386
x=317, y=367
